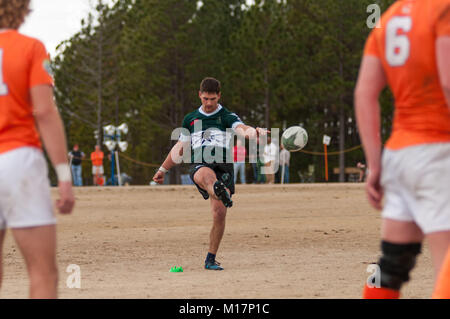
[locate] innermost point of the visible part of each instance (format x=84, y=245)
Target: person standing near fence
x=97, y=165
x=76, y=157
x=239, y=153
x=270, y=159
x=285, y=157
x=254, y=160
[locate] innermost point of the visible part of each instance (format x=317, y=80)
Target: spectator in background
x=239, y=161
x=270, y=157
x=260, y=164
x=285, y=157
x=97, y=165
x=76, y=156
x=362, y=172
x=253, y=159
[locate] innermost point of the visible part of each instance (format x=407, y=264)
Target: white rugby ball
x=294, y=138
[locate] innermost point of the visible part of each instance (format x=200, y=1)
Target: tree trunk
x=266, y=97
x=99, y=89
x=341, y=144
x=342, y=118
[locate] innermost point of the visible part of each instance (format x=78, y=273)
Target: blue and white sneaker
x=213, y=265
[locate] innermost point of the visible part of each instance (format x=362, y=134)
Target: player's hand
x=261, y=131
x=159, y=177
x=66, y=199
x=374, y=189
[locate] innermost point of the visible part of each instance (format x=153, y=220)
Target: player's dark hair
x=13, y=13
x=210, y=85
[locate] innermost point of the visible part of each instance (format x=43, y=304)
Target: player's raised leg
x=206, y=179
x=38, y=247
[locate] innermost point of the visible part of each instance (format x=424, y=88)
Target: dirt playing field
x=281, y=241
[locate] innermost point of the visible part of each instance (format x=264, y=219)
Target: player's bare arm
x=250, y=132
x=52, y=133
x=371, y=81
x=173, y=158
x=443, y=61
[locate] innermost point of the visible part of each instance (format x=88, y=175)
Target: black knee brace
x=396, y=263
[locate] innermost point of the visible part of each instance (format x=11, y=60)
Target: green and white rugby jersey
x=210, y=134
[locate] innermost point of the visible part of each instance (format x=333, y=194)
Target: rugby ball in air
x=294, y=138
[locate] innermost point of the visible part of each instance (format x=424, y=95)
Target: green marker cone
x=176, y=269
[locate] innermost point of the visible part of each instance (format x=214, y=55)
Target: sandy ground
x=281, y=241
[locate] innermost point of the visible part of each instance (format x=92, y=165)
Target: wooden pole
x=326, y=163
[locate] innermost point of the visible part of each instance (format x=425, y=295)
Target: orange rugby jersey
x=97, y=158
x=405, y=44
x=24, y=63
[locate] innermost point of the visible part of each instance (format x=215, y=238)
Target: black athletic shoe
x=213, y=265
x=221, y=192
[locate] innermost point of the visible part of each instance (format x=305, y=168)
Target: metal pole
x=70, y=165
x=118, y=169
x=112, y=169
x=282, y=173
x=326, y=162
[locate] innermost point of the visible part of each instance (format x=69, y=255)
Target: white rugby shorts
x=97, y=170
x=416, y=183
x=25, y=199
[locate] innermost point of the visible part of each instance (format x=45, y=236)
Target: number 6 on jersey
x=397, y=45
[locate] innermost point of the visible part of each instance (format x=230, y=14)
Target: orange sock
x=442, y=289
x=380, y=293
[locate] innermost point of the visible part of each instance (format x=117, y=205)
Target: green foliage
x=281, y=63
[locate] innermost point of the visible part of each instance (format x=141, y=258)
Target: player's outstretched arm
x=250, y=132
x=443, y=62
x=52, y=133
x=175, y=156
x=371, y=81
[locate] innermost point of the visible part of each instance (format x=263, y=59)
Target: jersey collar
x=219, y=107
